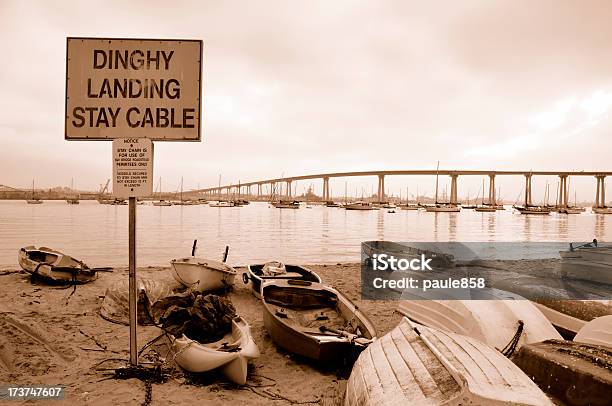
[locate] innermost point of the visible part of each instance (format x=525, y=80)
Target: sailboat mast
x=437, y=170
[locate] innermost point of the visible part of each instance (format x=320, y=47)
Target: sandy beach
x=50, y=337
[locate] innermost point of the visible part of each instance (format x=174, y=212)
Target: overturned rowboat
x=54, y=266
x=598, y=332
x=418, y=365
x=230, y=354
x=503, y=320
x=269, y=271
x=314, y=320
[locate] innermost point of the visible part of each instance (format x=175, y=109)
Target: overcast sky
x=305, y=87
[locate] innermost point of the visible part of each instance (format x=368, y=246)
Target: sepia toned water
x=98, y=234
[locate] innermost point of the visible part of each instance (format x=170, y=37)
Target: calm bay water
x=98, y=233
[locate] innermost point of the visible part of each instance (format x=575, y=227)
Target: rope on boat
x=509, y=349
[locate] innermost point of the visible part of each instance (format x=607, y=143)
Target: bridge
x=245, y=188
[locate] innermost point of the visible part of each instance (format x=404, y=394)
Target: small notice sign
x=132, y=167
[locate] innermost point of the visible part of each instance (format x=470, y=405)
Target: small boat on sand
x=54, y=266
x=314, y=320
x=201, y=274
x=418, y=365
x=276, y=271
x=230, y=354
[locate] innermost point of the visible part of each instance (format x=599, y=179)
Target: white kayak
x=597, y=331
x=201, y=274
x=230, y=354
x=418, y=365
x=498, y=321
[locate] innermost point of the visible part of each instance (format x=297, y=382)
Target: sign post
x=133, y=91
x=132, y=178
x=132, y=282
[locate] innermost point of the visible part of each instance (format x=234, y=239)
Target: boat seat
x=286, y=275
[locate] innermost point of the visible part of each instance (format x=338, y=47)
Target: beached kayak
x=230, y=354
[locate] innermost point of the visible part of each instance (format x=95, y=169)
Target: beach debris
x=115, y=306
x=204, y=318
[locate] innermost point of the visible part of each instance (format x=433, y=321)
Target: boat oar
x=102, y=269
x=225, y=253
x=194, y=247
x=354, y=338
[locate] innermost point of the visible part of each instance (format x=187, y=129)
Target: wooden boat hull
x=494, y=322
x=418, y=365
x=602, y=210
x=409, y=207
x=574, y=373
x=54, y=266
x=255, y=275
x=195, y=357
x=34, y=201
x=308, y=340
x=201, y=274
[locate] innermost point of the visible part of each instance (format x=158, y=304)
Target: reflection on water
x=98, y=233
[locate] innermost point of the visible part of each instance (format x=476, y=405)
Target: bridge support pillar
x=600, y=195
x=527, y=189
x=453, y=191
x=326, y=189
x=381, y=188
x=288, y=186
x=492, y=197
x=563, y=200
x=259, y=190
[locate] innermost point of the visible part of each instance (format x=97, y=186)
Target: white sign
x=132, y=167
x=136, y=88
